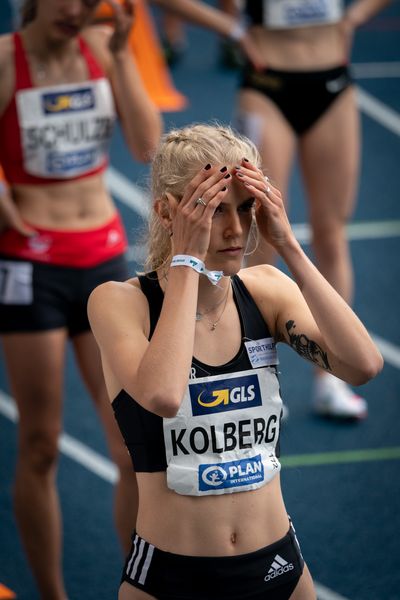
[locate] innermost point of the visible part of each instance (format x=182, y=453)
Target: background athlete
x=304, y=101
x=62, y=84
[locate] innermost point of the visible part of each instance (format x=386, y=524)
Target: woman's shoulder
x=6, y=47
x=267, y=284
x=257, y=276
x=115, y=295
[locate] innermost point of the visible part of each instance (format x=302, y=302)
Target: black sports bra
x=142, y=430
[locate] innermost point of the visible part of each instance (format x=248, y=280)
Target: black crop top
x=142, y=430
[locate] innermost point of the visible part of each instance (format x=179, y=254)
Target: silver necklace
x=200, y=315
x=213, y=324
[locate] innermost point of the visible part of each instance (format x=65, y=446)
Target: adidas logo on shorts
x=278, y=567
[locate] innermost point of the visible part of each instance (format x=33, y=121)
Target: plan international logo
x=221, y=396
x=233, y=474
x=66, y=102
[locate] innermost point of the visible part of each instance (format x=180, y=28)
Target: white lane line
x=377, y=110
x=366, y=230
x=369, y=230
x=389, y=351
x=375, y=70
x=324, y=593
x=88, y=458
x=127, y=192
x=69, y=446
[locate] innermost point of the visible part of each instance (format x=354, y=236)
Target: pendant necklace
x=214, y=324
x=200, y=315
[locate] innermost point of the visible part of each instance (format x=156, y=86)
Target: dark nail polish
x=227, y=176
x=237, y=167
x=224, y=188
x=239, y=174
x=246, y=160
x=223, y=169
x=207, y=167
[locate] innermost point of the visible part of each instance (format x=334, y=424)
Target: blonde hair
x=180, y=155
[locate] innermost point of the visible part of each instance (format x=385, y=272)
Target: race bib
x=65, y=129
x=224, y=436
x=300, y=13
x=16, y=282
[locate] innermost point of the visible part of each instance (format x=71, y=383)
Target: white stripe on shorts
x=137, y=553
x=128, y=568
x=137, y=559
x=146, y=565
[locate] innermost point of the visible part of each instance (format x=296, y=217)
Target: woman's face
x=230, y=229
x=64, y=19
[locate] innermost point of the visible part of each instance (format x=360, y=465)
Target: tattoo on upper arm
x=307, y=348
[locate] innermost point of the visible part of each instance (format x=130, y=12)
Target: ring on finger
x=267, y=189
x=200, y=201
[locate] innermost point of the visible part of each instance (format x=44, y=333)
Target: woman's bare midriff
x=302, y=48
x=72, y=205
x=217, y=525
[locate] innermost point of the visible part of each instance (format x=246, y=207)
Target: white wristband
x=237, y=32
x=184, y=260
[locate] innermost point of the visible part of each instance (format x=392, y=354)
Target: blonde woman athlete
x=190, y=361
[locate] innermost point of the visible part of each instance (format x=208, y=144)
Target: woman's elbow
x=369, y=370
x=144, y=143
x=145, y=150
x=164, y=405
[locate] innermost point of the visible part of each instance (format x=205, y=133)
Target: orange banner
x=146, y=49
x=5, y=593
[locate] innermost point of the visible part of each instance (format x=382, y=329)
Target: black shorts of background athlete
x=60, y=296
x=301, y=96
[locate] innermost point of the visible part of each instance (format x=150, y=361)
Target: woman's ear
x=165, y=208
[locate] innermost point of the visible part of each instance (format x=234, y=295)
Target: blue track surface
x=346, y=510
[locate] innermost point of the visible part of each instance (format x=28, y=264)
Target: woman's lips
x=67, y=28
x=234, y=250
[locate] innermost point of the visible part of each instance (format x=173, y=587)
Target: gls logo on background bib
x=62, y=102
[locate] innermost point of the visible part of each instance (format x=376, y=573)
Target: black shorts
x=302, y=96
x=271, y=572
x=36, y=296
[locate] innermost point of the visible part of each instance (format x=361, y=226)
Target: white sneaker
x=334, y=398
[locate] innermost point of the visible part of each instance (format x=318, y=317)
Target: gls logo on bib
x=238, y=393
x=62, y=102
